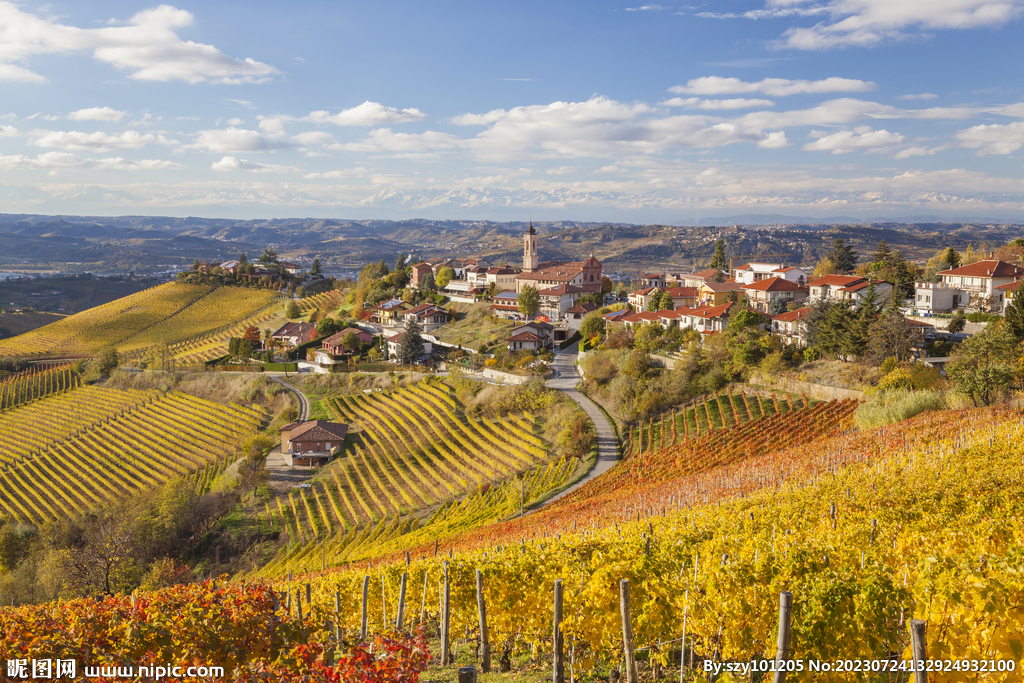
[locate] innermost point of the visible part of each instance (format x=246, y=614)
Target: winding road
x=303, y=401
x=566, y=381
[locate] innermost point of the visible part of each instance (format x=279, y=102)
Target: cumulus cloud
x=919, y=152
x=647, y=8
x=562, y=170
x=96, y=114
x=64, y=161
x=146, y=46
x=223, y=141
x=97, y=141
x=313, y=137
x=919, y=96
x=865, y=23
x=230, y=163
x=7, y=131
x=993, y=138
x=367, y=114
x=773, y=87
x=860, y=138
x=734, y=103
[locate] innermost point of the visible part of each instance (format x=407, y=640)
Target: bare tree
x=890, y=336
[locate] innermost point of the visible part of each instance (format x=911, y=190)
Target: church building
x=582, y=276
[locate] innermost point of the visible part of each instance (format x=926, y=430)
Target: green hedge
x=570, y=341
x=281, y=367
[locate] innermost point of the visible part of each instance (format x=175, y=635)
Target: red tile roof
x=681, y=291
x=857, y=286
x=705, y=274
x=790, y=316
x=784, y=270
x=773, y=284
x=710, y=311
x=836, y=281
x=723, y=286
x=318, y=430
x=523, y=337
x=585, y=307
x=1010, y=286
x=560, y=290
x=986, y=268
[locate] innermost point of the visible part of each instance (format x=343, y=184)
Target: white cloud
x=66, y=161
x=773, y=87
x=993, y=138
x=383, y=140
x=562, y=170
x=919, y=152
x=849, y=110
x=244, y=103
x=230, y=163
x=233, y=140
x=647, y=8
x=346, y=173
x=273, y=125
x=96, y=114
x=860, y=138
x=367, y=114
x=7, y=131
x=479, y=119
x=97, y=141
x=235, y=121
x=865, y=23
x=146, y=46
x=698, y=103
x=919, y=96
x=1016, y=110
x=313, y=137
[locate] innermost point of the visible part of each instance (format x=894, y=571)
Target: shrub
x=889, y=407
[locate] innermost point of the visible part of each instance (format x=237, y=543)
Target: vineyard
x=939, y=541
x=399, y=482
x=171, y=314
x=84, y=448
x=23, y=387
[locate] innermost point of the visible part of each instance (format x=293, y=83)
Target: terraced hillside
x=414, y=451
x=29, y=385
x=86, y=447
x=171, y=314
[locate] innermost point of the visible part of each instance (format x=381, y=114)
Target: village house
x=641, y=298
x=396, y=340
x=790, y=326
x=749, y=273
x=291, y=335
x=506, y=305
x=717, y=293
x=975, y=286
x=555, y=301
x=652, y=280
x=332, y=349
x=386, y=313
x=852, y=288
x=1008, y=292
x=531, y=336
x=313, y=443
x=707, y=319
x=700, y=277
x=761, y=293
x=418, y=271
x=574, y=315
x=428, y=316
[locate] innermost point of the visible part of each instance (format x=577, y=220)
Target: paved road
x=566, y=380
x=303, y=401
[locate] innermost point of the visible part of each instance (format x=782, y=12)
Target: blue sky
x=499, y=110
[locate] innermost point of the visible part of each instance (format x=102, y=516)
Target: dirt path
x=566, y=381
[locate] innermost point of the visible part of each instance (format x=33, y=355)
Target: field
x=86, y=447
x=415, y=468
x=22, y=387
x=474, y=327
x=171, y=314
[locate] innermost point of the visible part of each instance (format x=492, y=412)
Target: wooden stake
x=365, y=616
x=558, y=659
x=627, y=632
x=400, y=619
x=485, y=644
x=782, y=650
x=423, y=599
x=682, y=650
x=917, y=646
x=446, y=612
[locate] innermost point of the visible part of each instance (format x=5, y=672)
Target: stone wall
x=822, y=392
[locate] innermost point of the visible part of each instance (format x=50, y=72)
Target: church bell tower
x=530, y=260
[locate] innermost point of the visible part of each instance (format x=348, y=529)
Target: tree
x=718, y=260
x=444, y=276
x=593, y=325
x=982, y=367
x=351, y=341
x=400, y=262
x=667, y=304
x=654, y=300
x=777, y=306
x=842, y=255
x=268, y=256
x=410, y=349
x=328, y=326
x=427, y=282
x=949, y=259
x=606, y=285
x=1013, y=314
x=719, y=276
x=109, y=360
x=890, y=336
x=831, y=336
x=648, y=337
x=814, y=319
x=745, y=320
x=858, y=324
x=292, y=310
x=196, y=265
x=242, y=260
x=824, y=267
x=252, y=333
x=958, y=322
x=315, y=270
x=882, y=256
x=529, y=301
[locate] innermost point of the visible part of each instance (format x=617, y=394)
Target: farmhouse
x=295, y=334
x=313, y=443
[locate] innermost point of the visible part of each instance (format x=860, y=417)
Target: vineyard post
x=446, y=614
x=682, y=650
x=401, y=602
x=337, y=614
x=485, y=644
x=627, y=631
x=423, y=598
x=558, y=659
x=365, y=617
x=782, y=650
x=467, y=674
x=308, y=601
x=917, y=646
